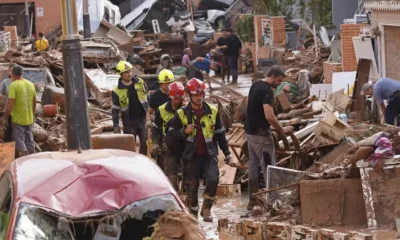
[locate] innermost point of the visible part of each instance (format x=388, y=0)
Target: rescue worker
x=130, y=98
x=200, y=124
x=42, y=44
x=164, y=114
x=160, y=97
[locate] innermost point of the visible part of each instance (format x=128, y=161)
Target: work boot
x=194, y=211
x=206, y=209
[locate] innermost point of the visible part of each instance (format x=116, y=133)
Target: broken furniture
x=173, y=47
x=151, y=57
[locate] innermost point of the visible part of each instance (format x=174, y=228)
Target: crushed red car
x=96, y=194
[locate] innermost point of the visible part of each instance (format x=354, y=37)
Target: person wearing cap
x=129, y=98
x=158, y=98
x=385, y=89
x=200, y=126
x=164, y=114
x=21, y=104
x=4, y=86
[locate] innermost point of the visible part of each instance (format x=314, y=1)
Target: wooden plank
x=7, y=155
x=228, y=190
x=362, y=77
x=283, y=102
x=278, y=231
x=227, y=173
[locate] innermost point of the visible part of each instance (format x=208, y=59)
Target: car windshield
x=132, y=222
x=36, y=76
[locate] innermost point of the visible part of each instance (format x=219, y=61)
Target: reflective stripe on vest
x=165, y=116
x=208, y=127
x=123, y=96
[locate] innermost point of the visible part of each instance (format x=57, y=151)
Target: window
x=5, y=203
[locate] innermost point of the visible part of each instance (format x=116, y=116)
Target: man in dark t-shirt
x=260, y=118
x=222, y=45
x=233, y=52
x=165, y=78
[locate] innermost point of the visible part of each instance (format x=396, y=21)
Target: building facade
x=385, y=21
x=44, y=15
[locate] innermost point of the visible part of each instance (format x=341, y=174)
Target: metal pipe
x=26, y=20
x=77, y=117
x=86, y=20
x=69, y=20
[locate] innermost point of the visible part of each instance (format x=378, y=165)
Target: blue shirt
x=384, y=88
x=203, y=66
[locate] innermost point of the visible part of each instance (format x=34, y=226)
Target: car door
x=6, y=198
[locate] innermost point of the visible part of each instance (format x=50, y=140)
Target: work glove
x=148, y=124
x=117, y=129
x=228, y=159
x=155, y=150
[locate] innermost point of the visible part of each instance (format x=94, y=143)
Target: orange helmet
x=176, y=90
x=195, y=86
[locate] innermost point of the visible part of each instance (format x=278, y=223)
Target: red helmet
x=176, y=90
x=195, y=86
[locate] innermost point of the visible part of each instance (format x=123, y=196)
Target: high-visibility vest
x=207, y=123
x=165, y=116
x=123, y=96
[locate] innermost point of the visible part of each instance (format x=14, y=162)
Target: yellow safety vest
x=165, y=116
x=208, y=127
x=123, y=95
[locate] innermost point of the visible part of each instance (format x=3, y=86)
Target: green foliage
x=274, y=7
x=244, y=28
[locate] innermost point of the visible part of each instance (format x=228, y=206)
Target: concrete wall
x=51, y=14
x=388, y=23
x=392, y=51
x=342, y=9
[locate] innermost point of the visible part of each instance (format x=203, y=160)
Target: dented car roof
x=81, y=184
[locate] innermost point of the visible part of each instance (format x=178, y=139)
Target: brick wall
x=348, y=31
x=329, y=69
x=51, y=14
x=278, y=30
x=392, y=51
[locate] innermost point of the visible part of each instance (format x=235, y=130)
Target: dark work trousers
x=138, y=128
x=233, y=67
x=393, y=108
x=8, y=131
x=170, y=167
x=225, y=69
x=193, y=171
x=198, y=75
x=261, y=153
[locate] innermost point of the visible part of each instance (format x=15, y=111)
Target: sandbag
x=39, y=134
